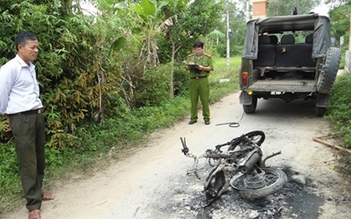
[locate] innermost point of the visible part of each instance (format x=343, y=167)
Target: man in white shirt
x=19, y=101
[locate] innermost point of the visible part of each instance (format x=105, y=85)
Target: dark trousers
x=29, y=135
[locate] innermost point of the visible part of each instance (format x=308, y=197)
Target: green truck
x=288, y=57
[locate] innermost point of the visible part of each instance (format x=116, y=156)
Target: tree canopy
x=340, y=18
x=282, y=7
x=92, y=66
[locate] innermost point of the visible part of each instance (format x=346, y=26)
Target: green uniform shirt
x=205, y=61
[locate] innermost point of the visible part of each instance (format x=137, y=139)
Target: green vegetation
x=119, y=135
x=340, y=20
x=340, y=108
x=339, y=114
x=281, y=7
x=109, y=80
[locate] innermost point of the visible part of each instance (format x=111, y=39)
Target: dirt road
x=153, y=183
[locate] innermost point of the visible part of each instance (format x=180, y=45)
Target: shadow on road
x=277, y=107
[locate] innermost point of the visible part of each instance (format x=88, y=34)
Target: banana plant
x=150, y=17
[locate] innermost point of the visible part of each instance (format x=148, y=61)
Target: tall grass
x=224, y=79
x=340, y=108
x=339, y=115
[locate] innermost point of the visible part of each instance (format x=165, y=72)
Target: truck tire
x=329, y=70
x=322, y=101
x=250, y=109
x=320, y=111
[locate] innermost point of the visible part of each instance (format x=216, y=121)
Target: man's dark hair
x=22, y=38
x=198, y=44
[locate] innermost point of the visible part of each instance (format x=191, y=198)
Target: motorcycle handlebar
x=185, y=149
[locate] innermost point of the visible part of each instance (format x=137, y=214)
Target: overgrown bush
x=153, y=88
x=181, y=81
x=340, y=108
x=73, y=68
x=97, y=96
x=339, y=114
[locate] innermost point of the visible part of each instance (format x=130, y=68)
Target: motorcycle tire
x=275, y=179
x=214, y=184
x=257, y=137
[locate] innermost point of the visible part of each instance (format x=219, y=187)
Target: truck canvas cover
x=279, y=24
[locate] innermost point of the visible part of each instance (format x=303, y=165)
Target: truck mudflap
x=245, y=98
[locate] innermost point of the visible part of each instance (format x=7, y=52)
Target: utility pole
x=228, y=40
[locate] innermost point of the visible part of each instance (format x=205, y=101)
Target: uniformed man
x=199, y=64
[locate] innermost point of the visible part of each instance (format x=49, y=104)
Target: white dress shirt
x=19, y=89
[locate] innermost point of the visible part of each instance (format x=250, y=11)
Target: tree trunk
x=171, y=85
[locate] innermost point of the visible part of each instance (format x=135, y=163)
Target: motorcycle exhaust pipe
x=246, y=164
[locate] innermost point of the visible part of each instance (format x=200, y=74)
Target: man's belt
x=29, y=112
x=198, y=77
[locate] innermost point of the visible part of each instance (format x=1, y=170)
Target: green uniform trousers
x=200, y=88
x=29, y=135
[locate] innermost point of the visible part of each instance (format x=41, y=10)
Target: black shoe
x=207, y=122
x=192, y=122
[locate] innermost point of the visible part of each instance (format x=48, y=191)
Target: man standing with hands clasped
x=19, y=101
x=199, y=64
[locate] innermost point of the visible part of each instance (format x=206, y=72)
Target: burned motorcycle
x=241, y=166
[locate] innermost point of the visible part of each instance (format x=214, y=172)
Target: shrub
x=340, y=108
x=339, y=114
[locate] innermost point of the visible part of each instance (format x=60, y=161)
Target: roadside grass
x=339, y=111
x=224, y=80
x=99, y=146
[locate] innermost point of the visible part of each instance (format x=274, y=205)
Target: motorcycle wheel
x=214, y=184
x=261, y=185
x=256, y=137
